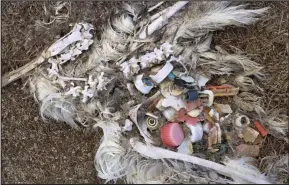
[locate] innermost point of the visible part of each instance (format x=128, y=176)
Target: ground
x=38, y=152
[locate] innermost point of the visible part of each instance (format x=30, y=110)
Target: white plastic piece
x=147, y=60
x=250, y=135
x=127, y=125
x=163, y=73
x=186, y=147
x=223, y=118
x=152, y=115
x=162, y=20
x=211, y=113
x=206, y=127
x=196, y=132
x=188, y=79
x=169, y=113
x=214, y=135
x=214, y=114
x=211, y=96
x=174, y=102
x=141, y=86
x=194, y=113
x=217, y=116
x=165, y=88
x=224, y=108
x=159, y=105
x=202, y=80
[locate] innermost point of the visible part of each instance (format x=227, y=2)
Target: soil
x=37, y=152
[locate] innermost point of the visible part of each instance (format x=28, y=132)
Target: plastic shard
x=169, y=113
x=194, y=112
x=127, y=126
x=196, y=132
x=174, y=102
x=163, y=73
x=186, y=147
x=193, y=104
x=223, y=108
x=250, y=134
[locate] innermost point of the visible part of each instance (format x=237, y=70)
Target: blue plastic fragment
x=192, y=95
x=171, y=76
x=147, y=82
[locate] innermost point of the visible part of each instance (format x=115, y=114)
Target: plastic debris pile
x=187, y=109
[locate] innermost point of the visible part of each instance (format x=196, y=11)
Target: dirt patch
x=38, y=152
x=34, y=151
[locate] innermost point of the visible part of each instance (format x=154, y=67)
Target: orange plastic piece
x=223, y=90
x=211, y=87
x=260, y=128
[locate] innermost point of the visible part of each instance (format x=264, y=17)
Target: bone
x=162, y=20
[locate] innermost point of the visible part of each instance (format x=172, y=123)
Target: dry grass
x=35, y=152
